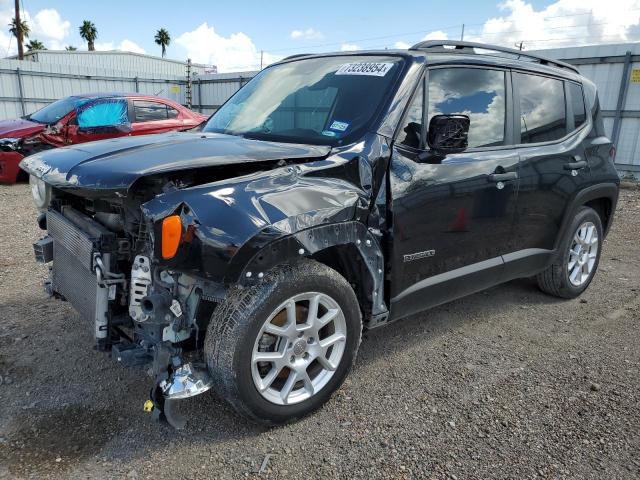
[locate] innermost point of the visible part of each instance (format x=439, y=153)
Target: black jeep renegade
x=333, y=193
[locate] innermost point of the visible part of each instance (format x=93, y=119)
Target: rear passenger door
x=553, y=167
x=153, y=117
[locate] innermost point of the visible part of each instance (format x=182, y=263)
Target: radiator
x=72, y=274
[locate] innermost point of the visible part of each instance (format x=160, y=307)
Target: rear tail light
x=171, y=236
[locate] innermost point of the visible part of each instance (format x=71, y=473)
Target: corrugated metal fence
x=28, y=86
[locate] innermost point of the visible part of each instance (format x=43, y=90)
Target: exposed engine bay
x=147, y=316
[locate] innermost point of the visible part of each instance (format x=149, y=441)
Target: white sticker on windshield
x=340, y=126
x=373, y=69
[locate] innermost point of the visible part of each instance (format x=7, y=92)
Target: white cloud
x=563, y=23
x=7, y=45
x=350, y=47
x=401, y=45
x=49, y=25
x=234, y=53
x=437, y=35
x=129, y=46
x=123, y=46
x=46, y=26
x=308, y=34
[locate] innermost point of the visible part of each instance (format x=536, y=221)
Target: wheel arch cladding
x=347, y=247
x=595, y=195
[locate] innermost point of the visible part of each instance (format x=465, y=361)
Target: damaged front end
x=147, y=256
x=145, y=315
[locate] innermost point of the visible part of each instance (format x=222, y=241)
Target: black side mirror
x=448, y=133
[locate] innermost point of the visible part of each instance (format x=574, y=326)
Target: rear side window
x=172, y=112
x=543, y=115
x=577, y=103
x=145, y=111
x=477, y=93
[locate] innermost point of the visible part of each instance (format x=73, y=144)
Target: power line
x=445, y=29
x=361, y=40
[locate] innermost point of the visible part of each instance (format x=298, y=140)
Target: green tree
x=163, y=39
x=89, y=32
x=35, y=45
x=70, y=48
x=22, y=29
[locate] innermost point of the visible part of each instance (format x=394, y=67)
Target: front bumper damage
x=143, y=322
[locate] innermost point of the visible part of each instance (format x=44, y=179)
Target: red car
x=85, y=118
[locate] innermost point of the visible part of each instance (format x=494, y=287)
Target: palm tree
x=35, y=45
x=23, y=29
x=70, y=48
x=163, y=39
x=89, y=32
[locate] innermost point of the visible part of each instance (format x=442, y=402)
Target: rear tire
x=578, y=258
x=275, y=361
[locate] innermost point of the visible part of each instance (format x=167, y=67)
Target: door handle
x=503, y=177
x=575, y=165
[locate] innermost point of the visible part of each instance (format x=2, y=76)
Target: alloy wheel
x=298, y=348
x=583, y=254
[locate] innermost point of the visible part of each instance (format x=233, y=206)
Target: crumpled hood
x=116, y=164
x=19, y=128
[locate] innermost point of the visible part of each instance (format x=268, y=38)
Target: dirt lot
x=508, y=383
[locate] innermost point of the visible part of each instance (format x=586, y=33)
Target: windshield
x=326, y=101
x=53, y=112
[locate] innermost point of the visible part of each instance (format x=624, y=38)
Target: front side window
x=410, y=132
x=145, y=111
x=327, y=101
x=475, y=92
x=577, y=103
x=542, y=108
x=55, y=111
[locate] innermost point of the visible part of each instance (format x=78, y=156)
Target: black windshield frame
x=387, y=96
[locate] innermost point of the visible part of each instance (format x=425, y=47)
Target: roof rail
x=297, y=55
x=468, y=47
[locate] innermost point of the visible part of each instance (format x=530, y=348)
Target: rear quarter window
x=577, y=104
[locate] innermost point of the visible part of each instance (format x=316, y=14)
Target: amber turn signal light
x=171, y=236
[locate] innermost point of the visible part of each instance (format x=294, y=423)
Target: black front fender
x=231, y=220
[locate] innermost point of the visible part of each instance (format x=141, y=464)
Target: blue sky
x=232, y=34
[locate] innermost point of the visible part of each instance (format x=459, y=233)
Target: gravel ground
x=507, y=383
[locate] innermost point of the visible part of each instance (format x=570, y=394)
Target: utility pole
x=188, y=92
x=261, y=57
x=462, y=34
x=19, y=31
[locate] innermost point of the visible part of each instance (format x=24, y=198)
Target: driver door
x=453, y=214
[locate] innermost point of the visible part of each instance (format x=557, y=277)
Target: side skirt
x=445, y=287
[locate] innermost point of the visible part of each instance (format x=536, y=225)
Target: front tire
x=279, y=349
x=572, y=272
